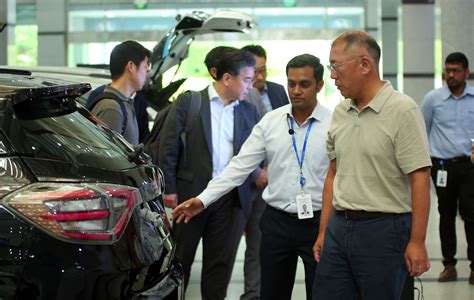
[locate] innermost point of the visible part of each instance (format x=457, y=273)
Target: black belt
x=293, y=215
x=362, y=215
x=454, y=159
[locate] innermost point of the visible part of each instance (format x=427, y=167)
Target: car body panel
x=31, y=259
x=46, y=137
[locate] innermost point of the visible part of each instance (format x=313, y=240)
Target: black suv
x=80, y=209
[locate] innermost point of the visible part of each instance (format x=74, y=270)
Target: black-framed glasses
x=334, y=67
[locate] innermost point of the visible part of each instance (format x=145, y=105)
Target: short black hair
x=123, y=53
x=233, y=62
x=309, y=60
x=213, y=56
x=457, y=58
x=256, y=50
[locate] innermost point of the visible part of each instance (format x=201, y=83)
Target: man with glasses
x=269, y=97
x=376, y=193
x=449, y=117
x=222, y=125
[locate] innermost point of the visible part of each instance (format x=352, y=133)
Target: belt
x=454, y=159
x=290, y=214
x=362, y=215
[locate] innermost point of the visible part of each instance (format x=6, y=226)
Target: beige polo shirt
x=376, y=149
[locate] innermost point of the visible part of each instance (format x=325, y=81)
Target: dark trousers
x=284, y=239
x=253, y=237
x=221, y=226
x=459, y=191
x=363, y=259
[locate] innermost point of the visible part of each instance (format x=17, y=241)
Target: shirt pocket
x=445, y=116
x=468, y=120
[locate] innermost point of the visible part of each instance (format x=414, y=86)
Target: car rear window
x=69, y=137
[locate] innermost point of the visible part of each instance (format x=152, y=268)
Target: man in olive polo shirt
x=376, y=193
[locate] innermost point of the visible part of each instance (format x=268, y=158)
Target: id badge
x=442, y=178
x=304, y=206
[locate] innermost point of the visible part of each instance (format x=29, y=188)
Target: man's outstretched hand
x=187, y=210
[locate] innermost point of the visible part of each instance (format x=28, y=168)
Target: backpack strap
x=192, y=114
x=109, y=95
x=93, y=94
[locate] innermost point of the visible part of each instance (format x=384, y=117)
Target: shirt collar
x=213, y=96
x=265, y=90
x=378, y=101
x=317, y=113
x=212, y=92
x=446, y=92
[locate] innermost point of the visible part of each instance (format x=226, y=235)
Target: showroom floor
x=432, y=290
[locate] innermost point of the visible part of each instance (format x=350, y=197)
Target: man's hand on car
x=185, y=211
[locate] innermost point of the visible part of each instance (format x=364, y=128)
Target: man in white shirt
x=292, y=139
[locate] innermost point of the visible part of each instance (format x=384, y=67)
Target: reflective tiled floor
x=432, y=290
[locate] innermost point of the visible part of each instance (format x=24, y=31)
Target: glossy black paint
x=37, y=266
x=46, y=137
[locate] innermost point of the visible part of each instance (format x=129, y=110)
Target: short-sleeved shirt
x=375, y=150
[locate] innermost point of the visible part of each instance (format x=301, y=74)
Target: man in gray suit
x=268, y=96
x=222, y=126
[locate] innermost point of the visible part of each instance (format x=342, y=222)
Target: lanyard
x=300, y=162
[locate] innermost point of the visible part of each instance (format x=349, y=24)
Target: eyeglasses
x=334, y=67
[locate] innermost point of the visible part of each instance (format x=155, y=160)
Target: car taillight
x=94, y=212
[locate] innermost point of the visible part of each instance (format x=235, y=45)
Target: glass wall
x=305, y=26
x=26, y=38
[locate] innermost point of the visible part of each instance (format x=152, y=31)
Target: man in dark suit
x=268, y=97
x=222, y=126
x=211, y=61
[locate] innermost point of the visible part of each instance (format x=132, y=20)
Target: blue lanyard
x=300, y=162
